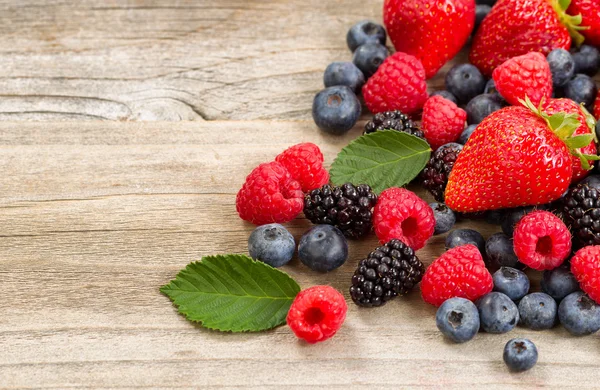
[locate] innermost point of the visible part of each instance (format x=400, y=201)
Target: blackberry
x=394, y=120
x=581, y=212
x=390, y=270
x=436, y=172
x=349, y=208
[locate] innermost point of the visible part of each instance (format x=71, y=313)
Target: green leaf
x=579, y=141
x=233, y=293
x=382, y=159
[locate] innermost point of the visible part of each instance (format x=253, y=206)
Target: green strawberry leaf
x=579, y=141
x=232, y=293
x=382, y=159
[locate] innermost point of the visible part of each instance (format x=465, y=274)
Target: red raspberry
x=585, y=265
x=317, y=313
x=541, y=240
x=526, y=75
x=269, y=195
x=305, y=163
x=398, y=84
x=460, y=272
x=400, y=213
x=568, y=106
x=442, y=121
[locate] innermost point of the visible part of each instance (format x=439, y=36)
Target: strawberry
x=516, y=27
x=590, y=17
x=586, y=126
x=517, y=156
x=431, y=30
x=597, y=107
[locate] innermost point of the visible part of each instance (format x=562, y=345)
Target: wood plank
x=95, y=217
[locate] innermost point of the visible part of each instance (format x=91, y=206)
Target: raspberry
x=269, y=195
x=436, y=172
x=398, y=84
x=393, y=120
x=585, y=265
x=305, y=163
x=526, y=75
x=317, y=313
x=460, y=272
x=541, y=240
x=442, y=122
x=400, y=213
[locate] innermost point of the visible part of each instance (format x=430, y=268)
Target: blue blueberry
x=445, y=94
x=323, y=248
x=581, y=89
x=466, y=134
x=481, y=11
x=587, y=60
x=465, y=82
x=460, y=237
x=444, y=217
x=490, y=87
x=562, y=67
x=494, y=217
x=592, y=180
x=559, y=282
x=365, y=32
x=497, y=313
x=458, y=319
x=272, y=244
x=579, y=314
x=520, y=355
x=481, y=106
x=500, y=251
x=537, y=311
x=344, y=73
x=336, y=109
x=511, y=282
x=513, y=216
x=369, y=56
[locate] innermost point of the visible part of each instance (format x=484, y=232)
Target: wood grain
x=95, y=217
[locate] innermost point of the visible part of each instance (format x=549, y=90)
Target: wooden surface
x=96, y=215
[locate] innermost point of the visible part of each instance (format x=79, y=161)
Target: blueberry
x=511, y=282
x=460, y=237
x=513, y=216
x=369, y=56
x=481, y=11
x=465, y=82
x=336, y=110
x=272, y=244
x=323, y=248
x=581, y=89
x=562, y=67
x=481, y=106
x=579, y=314
x=344, y=73
x=592, y=180
x=446, y=95
x=486, y=2
x=490, y=87
x=520, y=355
x=587, y=60
x=444, y=217
x=500, y=251
x=537, y=311
x=494, y=217
x=365, y=32
x=458, y=319
x=466, y=134
x=497, y=313
x=559, y=282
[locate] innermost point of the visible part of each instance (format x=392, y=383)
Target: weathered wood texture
x=95, y=217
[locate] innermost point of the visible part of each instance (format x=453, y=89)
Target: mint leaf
x=382, y=159
x=232, y=293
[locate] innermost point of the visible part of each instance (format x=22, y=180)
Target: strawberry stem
x=572, y=23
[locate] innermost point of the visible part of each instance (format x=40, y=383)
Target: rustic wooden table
x=127, y=128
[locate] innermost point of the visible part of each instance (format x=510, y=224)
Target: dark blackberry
x=390, y=270
x=394, y=120
x=581, y=212
x=435, y=174
x=349, y=208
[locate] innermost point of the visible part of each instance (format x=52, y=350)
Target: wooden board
x=95, y=217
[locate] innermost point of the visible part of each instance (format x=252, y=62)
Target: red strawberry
x=398, y=84
x=431, y=30
x=517, y=156
x=516, y=27
x=597, y=107
x=568, y=106
x=442, y=121
x=590, y=17
x=527, y=75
